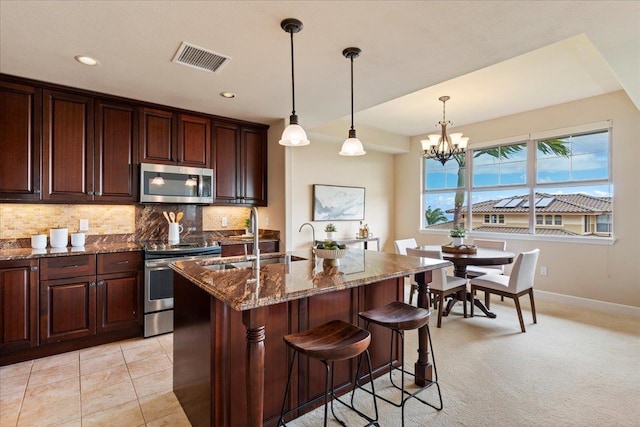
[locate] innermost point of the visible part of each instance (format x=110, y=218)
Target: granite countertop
x=27, y=253
x=303, y=277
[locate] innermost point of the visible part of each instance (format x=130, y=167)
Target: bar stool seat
x=400, y=317
x=330, y=342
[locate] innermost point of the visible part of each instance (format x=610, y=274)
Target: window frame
x=531, y=186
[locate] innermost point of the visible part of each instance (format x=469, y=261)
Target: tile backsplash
x=19, y=221
x=22, y=220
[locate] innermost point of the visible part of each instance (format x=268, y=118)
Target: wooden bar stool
x=400, y=317
x=335, y=340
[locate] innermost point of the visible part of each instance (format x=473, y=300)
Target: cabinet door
x=157, y=134
x=225, y=162
x=18, y=305
x=68, y=147
x=20, y=124
x=67, y=309
x=119, y=301
x=115, y=159
x=253, y=166
x=194, y=141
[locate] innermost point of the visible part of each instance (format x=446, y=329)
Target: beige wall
x=600, y=272
x=319, y=163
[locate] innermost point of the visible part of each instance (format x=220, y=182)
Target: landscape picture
x=338, y=203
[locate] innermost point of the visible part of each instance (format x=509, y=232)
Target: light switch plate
x=224, y=221
x=84, y=225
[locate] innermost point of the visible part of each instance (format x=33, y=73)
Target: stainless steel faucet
x=313, y=230
x=253, y=216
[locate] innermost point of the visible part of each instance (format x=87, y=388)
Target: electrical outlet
x=543, y=271
x=224, y=221
x=267, y=222
x=84, y=225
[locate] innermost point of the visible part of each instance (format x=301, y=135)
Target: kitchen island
x=230, y=363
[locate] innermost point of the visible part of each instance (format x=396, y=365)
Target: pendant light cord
x=293, y=84
x=352, y=93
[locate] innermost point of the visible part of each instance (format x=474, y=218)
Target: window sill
x=607, y=241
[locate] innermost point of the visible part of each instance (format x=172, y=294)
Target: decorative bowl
x=330, y=253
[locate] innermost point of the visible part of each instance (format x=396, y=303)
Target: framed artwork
x=338, y=203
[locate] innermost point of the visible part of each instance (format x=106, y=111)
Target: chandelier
x=442, y=146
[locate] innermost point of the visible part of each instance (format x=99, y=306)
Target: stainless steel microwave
x=175, y=184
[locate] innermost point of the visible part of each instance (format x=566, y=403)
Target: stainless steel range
x=158, y=281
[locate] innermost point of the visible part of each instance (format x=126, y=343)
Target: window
x=553, y=183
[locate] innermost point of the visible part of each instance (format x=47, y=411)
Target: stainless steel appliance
x=158, y=281
x=175, y=184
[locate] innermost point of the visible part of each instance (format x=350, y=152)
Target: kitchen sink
x=266, y=261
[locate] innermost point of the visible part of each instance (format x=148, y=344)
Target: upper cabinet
x=89, y=149
x=167, y=137
x=115, y=153
x=240, y=164
x=68, y=147
x=20, y=142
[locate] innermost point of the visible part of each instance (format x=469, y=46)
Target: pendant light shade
x=293, y=135
x=352, y=146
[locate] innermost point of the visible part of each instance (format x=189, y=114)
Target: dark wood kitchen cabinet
x=85, y=295
x=240, y=164
x=120, y=291
x=237, y=249
x=167, y=137
x=115, y=152
x=18, y=305
x=67, y=166
x=20, y=141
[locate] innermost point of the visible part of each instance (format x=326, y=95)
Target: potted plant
x=330, y=229
x=247, y=226
x=458, y=236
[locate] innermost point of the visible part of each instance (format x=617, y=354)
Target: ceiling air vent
x=197, y=57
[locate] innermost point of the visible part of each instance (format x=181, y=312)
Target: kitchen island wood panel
x=229, y=356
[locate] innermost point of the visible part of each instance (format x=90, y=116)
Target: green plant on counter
x=331, y=245
x=457, y=232
x=330, y=228
x=247, y=223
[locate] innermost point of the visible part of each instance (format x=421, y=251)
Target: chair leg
x=411, y=292
x=519, y=310
x=473, y=291
x=440, y=304
x=533, y=305
x=463, y=298
x=487, y=299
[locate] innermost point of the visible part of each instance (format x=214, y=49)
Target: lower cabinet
x=86, y=295
x=18, y=305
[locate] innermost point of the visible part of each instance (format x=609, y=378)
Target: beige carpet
x=576, y=367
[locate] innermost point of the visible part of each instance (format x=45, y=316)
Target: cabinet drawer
x=68, y=266
x=119, y=262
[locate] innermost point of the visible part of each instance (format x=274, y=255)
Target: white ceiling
x=494, y=58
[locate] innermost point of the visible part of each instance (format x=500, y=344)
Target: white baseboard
x=607, y=307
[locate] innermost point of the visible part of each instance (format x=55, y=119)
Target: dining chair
x=479, y=270
x=401, y=248
x=518, y=283
x=441, y=283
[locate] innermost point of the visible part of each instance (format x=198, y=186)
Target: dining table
x=482, y=257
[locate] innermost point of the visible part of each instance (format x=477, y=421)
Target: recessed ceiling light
x=86, y=60
x=227, y=94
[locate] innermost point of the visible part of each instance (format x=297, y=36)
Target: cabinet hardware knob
x=71, y=266
x=36, y=191
x=90, y=193
x=100, y=283
x=98, y=194
x=34, y=268
x=92, y=284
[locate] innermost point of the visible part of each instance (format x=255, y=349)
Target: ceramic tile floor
x=127, y=383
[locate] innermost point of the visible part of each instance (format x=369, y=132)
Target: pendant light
x=294, y=135
x=352, y=146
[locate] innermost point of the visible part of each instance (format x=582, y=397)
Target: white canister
x=77, y=239
x=58, y=237
x=39, y=241
x=174, y=232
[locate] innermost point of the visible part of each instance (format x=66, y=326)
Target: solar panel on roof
x=513, y=203
x=502, y=203
x=546, y=201
x=526, y=203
